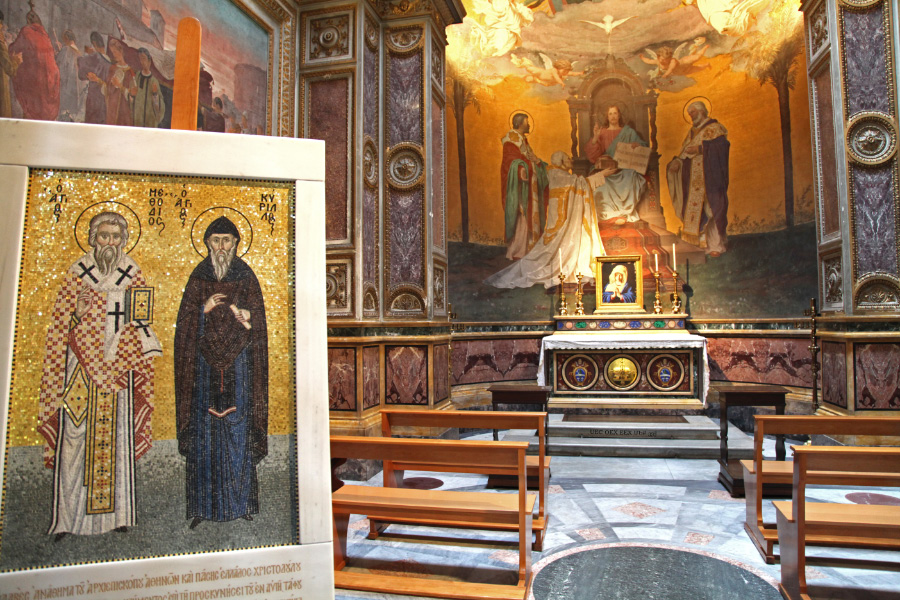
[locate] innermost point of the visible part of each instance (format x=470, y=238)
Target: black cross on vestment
x=118, y=312
x=125, y=273
x=143, y=327
x=87, y=271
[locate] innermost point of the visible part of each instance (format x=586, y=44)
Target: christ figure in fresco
x=222, y=382
x=97, y=386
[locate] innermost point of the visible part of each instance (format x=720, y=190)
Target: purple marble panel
x=834, y=374
x=483, y=361
x=341, y=379
x=877, y=375
x=407, y=243
x=370, y=93
x=406, y=375
x=873, y=193
x=761, y=360
x=328, y=113
x=405, y=99
x=370, y=377
x=437, y=173
x=370, y=237
x=864, y=52
x=831, y=219
x=441, y=372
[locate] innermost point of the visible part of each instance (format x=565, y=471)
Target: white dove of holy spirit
x=607, y=25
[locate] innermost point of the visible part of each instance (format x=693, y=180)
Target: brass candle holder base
x=657, y=305
x=676, y=299
x=579, y=296
x=563, y=306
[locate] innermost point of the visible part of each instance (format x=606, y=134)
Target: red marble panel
x=780, y=361
x=831, y=219
x=370, y=377
x=441, y=372
x=437, y=173
x=328, y=114
x=877, y=374
x=482, y=361
x=406, y=375
x=341, y=379
x=834, y=374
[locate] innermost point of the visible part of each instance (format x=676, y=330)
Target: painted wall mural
x=679, y=127
x=95, y=61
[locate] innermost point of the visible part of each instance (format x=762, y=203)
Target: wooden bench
x=391, y=419
x=842, y=525
x=474, y=510
x=762, y=476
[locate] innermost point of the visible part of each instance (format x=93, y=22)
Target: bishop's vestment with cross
x=97, y=395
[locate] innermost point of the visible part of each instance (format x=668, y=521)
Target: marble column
x=372, y=86
x=852, y=66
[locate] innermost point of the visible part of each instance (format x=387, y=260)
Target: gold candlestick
x=579, y=295
x=563, y=307
x=657, y=306
x=676, y=299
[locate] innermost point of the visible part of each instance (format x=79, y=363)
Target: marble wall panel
x=407, y=244
x=372, y=171
x=864, y=56
x=875, y=221
x=371, y=397
x=404, y=99
x=834, y=373
x=781, y=361
x=877, y=376
x=406, y=375
x=370, y=79
x=441, y=372
x=828, y=193
x=328, y=115
x=437, y=173
x=484, y=361
x=341, y=379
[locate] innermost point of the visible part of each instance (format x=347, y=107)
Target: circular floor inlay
x=422, y=483
x=870, y=498
x=648, y=573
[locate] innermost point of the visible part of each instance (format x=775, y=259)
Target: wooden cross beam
x=185, y=97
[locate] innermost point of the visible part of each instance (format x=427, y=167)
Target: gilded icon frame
x=631, y=297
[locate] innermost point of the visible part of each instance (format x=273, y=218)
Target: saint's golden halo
x=203, y=220
x=706, y=101
x=527, y=114
x=83, y=222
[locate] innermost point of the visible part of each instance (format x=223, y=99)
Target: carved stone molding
x=877, y=292
x=338, y=277
x=871, y=138
x=370, y=163
x=404, y=39
x=437, y=63
x=439, y=293
x=833, y=281
x=818, y=29
x=407, y=302
x=392, y=9
x=328, y=35
x=372, y=34
x=370, y=301
x=859, y=3
x=405, y=166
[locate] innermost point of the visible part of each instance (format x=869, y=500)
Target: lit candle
x=560, y=261
x=674, y=260
x=656, y=261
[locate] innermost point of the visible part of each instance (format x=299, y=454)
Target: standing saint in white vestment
x=571, y=237
x=97, y=385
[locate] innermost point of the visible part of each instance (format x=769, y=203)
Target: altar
x=625, y=368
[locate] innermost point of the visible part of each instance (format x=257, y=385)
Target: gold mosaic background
x=167, y=217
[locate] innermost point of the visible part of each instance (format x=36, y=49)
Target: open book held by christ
x=636, y=158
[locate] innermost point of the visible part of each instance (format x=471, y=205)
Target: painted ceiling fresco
x=564, y=64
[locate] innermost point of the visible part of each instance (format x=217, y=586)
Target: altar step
x=689, y=436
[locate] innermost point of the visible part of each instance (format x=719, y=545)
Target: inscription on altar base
x=640, y=433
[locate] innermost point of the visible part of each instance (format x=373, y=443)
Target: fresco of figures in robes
x=152, y=407
x=113, y=63
x=686, y=124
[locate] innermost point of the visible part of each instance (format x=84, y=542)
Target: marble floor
x=669, y=503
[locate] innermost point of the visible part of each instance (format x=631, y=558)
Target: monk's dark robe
x=221, y=392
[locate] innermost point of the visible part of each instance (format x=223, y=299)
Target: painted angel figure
x=679, y=62
x=554, y=72
x=502, y=28
x=729, y=17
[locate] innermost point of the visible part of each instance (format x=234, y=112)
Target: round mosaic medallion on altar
x=580, y=372
x=622, y=372
x=665, y=372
